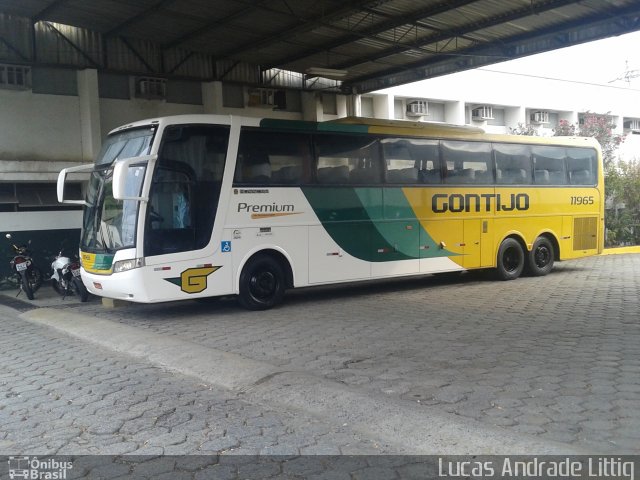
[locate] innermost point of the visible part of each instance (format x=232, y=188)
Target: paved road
x=62, y=396
x=556, y=357
x=553, y=359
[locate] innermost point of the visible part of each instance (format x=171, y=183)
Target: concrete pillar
x=354, y=105
x=343, y=108
x=618, y=120
x=312, y=107
x=212, y=97
x=454, y=112
x=571, y=117
x=383, y=106
x=514, y=116
x=89, y=102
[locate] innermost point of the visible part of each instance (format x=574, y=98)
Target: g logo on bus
x=193, y=280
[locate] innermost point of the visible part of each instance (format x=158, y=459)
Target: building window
x=15, y=76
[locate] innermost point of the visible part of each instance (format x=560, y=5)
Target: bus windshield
x=109, y=224
x=126, y=144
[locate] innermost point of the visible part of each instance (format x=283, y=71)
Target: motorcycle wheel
x=56, y=286
x=26, y=285
x=80, y=289
x=35, y=279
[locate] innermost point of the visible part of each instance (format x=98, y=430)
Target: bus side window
x=513, y=164
x=581, y=166
x=401, y=166
x=549, y=165
x=348, y=159
x=467, y=162
x=273, y=158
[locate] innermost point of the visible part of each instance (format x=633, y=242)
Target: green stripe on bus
x=355, y=220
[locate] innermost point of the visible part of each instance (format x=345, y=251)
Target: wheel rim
x=263, y=285
x=511, y=259
x=542, y=256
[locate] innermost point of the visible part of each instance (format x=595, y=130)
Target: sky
x=596, y=62
x=601, y=62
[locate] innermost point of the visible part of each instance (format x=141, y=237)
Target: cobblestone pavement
x=61, y=396
x=557, y=357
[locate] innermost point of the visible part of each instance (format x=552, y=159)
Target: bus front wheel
x=510, y=259
x=262, y=283
x=541, y=257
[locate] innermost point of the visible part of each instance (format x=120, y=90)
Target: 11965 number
x=586, y=200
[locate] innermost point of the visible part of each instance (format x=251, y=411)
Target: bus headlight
x=124, y=265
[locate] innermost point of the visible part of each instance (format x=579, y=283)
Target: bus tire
x=541, y=257
x=511, y=259
x=262, y=283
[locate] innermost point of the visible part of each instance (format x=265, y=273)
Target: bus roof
x=421, y=129
x=364, y=125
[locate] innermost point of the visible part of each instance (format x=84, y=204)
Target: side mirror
x=128, y=174
x=62, y=176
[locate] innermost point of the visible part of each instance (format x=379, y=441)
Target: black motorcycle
x=28, y=276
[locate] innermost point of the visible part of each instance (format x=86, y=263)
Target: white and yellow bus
x=204, y=205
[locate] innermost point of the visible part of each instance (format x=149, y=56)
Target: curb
x=621, y=250
x=388, y=419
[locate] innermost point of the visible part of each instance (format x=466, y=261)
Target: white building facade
x=500, y=102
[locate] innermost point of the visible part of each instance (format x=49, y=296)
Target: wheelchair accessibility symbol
x=225, y=246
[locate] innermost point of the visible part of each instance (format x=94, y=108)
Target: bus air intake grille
x=585, y=233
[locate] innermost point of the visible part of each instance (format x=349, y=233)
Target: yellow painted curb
x=621, y=250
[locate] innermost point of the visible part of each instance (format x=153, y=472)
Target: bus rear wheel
x=510, y=259
x=262, y=283
x=541, y=257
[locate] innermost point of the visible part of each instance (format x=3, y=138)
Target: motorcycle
x=65, y=279
x=28, y=276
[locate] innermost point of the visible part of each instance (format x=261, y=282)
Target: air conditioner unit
x=540, y=117
x=151, y=88
x=267, y=98
x=417, y=108
x=481, y=113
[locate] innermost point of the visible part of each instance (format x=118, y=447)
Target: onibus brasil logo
x=35, y=469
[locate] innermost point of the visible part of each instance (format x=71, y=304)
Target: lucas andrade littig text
x=592, y=467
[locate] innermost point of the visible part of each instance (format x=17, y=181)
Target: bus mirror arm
x=120, y=173
x=62, y=176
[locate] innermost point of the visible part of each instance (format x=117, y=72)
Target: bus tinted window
x=186, y=188
x=411, y=161
x=513, y=164
x=273, y=158
x=548, y=165
x=581, y=166
x=348, y=159
x=467, y=162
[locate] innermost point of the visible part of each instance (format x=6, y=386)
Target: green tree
x=524, y=129
x=601, y=127
x=623, y=188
